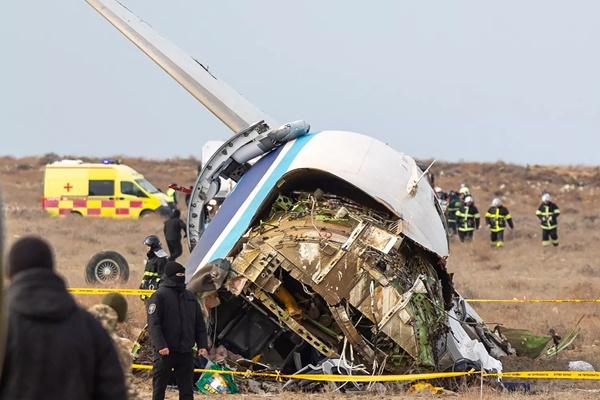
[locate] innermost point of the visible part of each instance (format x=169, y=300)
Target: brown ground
x=522, y=269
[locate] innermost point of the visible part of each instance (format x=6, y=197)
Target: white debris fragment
x=471, y=349
x=580, y=366
x=309, y=252
x=567, y=188
x=341, y=213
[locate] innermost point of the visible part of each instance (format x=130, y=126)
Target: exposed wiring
x=308, y=292
x=475, y=323
x=214, y=342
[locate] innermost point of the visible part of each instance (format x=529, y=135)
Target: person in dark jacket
x=468, y=220
x=155, y=264
x=55, y=349
x=548, y=213
x=172, y=229
x=2, y=308
x=188, y=195
x=497, y=217
x=454, y=204
x=175, y=324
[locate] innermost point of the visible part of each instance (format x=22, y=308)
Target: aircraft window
x=101, y=188
x=131, y=189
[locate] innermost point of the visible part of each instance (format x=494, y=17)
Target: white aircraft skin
x=391, y=178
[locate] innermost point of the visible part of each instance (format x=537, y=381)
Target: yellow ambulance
x=105, y=189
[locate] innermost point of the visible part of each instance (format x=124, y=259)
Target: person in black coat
x=175, y=324
x=172, y=230
x=55, y=349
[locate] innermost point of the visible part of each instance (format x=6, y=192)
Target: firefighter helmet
x=152, y=241
x=546, y=198
x=497, y=202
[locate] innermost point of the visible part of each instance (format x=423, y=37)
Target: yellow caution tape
x=579, y=375
x=515, y=300
x=574, y=375
x=125, y=292
x=139, y=292
x=329, y=378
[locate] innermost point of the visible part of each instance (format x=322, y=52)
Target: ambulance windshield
x=147, y=186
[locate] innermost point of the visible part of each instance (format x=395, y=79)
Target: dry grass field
x=523, y=269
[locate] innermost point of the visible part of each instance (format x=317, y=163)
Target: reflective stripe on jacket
x=453, y=207
x=548, y=215
x=497, y=218
x=468, y=218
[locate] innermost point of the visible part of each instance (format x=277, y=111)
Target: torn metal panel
x=301, y=331
x=380, y=239
x=353, y=336
x=333, y=278
x=461, y=345
x=258, y=267
x=361, y=290
x=418, y=287
x=343, y=277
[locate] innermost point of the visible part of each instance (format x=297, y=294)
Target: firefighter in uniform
x=175, y=324
x=548, y=213
x=468, y=220
x=464, y=191
x=454, y=204
x=155, y=264
x=497, y=217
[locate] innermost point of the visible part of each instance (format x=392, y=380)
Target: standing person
x=188, y=195
x=2, y=299
x=175, y=324
x=468, y=220
x=497, y=217
x=548, y=213
x=442, y=197
x=55, y=349
x=110, y=312
x=172, y=230
x=454, y=204
x=464, y=191
x=172, y=195
x=155, y=264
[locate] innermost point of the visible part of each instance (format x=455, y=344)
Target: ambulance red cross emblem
x=68, y=187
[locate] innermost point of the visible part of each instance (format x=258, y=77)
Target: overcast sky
x=472, y=80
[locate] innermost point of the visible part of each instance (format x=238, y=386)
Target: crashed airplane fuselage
x=328, y=243
x=330, y=246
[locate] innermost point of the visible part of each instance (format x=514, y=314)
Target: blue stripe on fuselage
x=235, y=200
x=230, y=206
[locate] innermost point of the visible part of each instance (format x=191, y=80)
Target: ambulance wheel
x=146, y=213
x=107, y=267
